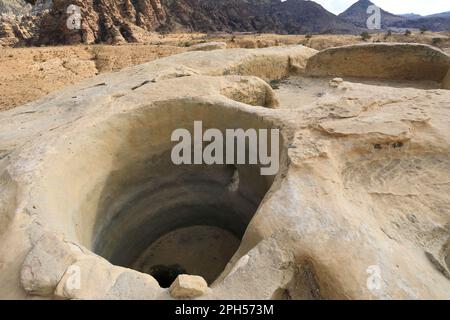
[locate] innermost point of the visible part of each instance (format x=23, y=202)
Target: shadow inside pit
x=170, y=220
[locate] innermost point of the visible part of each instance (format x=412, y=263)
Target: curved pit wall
x=385, y=61
x=103, y=180
x=138, y=210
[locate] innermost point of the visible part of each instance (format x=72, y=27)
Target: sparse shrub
x=423, y=30
x=407, y=33
x=365, y=36
x=387, y=35
x=436, y=41
x=308, y=36
x=96, y=51
x=262, y=44
x=275, y=84
x=164, y=33
x=185, y=44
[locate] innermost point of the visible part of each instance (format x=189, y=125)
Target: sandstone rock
x=46, y=264
x=132, y=285
x=187, y=286
x=103, y=20
x=381, y=61
x=260, y=273
x=209, y=46
x=87, y=278
x=7, y=35
x=268, y=16
x=92, y=278
x=336, y=82
x=363, y=181
x=40, y=6
x=21, y=27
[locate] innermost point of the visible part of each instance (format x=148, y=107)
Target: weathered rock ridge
x=102, y=21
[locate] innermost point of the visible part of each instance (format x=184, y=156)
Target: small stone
x=336, y=82
x=186, y=286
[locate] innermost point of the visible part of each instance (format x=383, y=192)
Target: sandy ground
x=27, y=74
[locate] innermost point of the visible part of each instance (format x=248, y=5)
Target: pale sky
x=423, y=7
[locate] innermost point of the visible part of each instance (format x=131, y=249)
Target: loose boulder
x=186, y=286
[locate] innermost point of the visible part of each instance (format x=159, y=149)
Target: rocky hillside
x=442, y=15
x=19, y=21
x=292, y=16
x=107, y=21
x=357, y=15
x=15, y=7
x=437, y=23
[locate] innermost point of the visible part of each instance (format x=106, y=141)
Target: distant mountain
x=411, y=16
x=357, y=14
x=112, y=21
x=418, y=16
x=291, y=16
x=439, y=15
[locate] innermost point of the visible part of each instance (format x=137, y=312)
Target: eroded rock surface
x=381, y=61
x=19, y=29
x=101, y=21
x=359, y=208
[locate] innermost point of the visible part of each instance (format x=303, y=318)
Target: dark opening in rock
x=166, y=275
x=181, y=219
